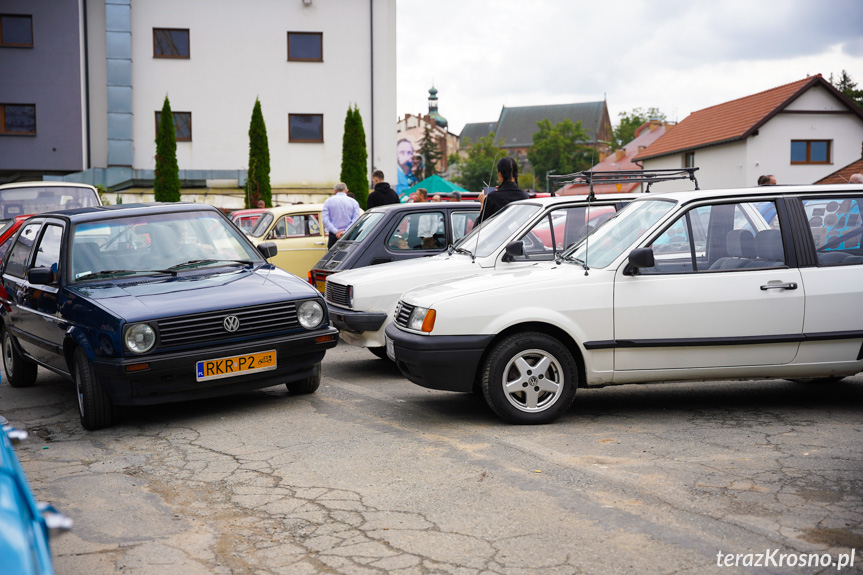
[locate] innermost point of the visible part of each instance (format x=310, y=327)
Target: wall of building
x=816, y=115
x=238, y=52
x=718, y=167
x=48, y=75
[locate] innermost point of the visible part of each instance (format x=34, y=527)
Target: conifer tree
x=354, y=157
x=430, y=154
x=258, y=180
x=166, y=184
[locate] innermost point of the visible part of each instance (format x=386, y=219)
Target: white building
x=307, y=60
x=799, y=132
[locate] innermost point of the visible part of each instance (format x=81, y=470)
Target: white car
x=722, y=284
x=361, y=301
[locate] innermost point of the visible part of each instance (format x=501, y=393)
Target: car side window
x=836, y=227
x=48, y=252
x=419, y=231
x=720, y=237
x=19, y=256
x=462, y=224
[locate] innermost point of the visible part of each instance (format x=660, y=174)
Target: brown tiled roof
x=842, y=175
x=645, y=136
x=733, y=120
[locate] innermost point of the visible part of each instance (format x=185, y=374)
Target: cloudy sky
x=676, y=55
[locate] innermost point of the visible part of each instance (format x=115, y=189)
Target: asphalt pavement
x=373, y=474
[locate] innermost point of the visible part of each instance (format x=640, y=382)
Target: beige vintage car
x=298, y=231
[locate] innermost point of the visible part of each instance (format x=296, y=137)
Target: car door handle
x=319, y=243
x=789, y=285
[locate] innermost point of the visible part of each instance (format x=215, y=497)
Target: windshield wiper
x=109, y=273
x=194, y=263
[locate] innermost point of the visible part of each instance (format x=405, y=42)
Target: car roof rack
x=649, y=177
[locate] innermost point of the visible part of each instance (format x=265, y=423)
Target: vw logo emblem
x=231, y=323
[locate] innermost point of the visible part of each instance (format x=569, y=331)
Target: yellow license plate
x=321, y=285
x=235, y=365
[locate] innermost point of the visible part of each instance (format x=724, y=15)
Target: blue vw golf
x=144, y=304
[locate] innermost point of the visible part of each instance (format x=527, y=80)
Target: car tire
x=20, y=372
x=515, y=389
x=94, y=403
x=307, y=385
x=379, y=352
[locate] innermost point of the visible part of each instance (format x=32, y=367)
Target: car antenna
x=482, y=208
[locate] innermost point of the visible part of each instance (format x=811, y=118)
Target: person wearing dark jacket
x=383, y=193
x=507, y=192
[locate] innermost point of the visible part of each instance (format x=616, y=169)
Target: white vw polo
x=685, y=286
x=361, y=301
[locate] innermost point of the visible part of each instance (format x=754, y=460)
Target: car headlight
x=310, y=314
x=140, y=338
x=421, y=319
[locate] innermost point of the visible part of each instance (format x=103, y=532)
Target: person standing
x=767, y=180
x=339, y=212
x=856, y=179
x=507, y=192
x=383, y=193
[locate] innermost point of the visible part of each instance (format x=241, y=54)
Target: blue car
x=24, y=524
x=145, y=304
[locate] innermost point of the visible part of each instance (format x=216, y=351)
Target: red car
x=20, y=200
x=246, y=219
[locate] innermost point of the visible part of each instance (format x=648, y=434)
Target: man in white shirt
x=340, y=211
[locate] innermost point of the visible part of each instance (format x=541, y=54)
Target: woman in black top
x=507, y=192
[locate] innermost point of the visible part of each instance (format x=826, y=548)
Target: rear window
x=38, y=199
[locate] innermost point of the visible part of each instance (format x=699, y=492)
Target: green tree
x=848, y=87
x=559, y=149
x=166, y=184
x=354, y=157
x=430, y=154
x=258, y=180
x=624, y=131
x=479, y=167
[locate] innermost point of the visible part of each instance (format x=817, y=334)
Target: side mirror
x=639, y=258
x=512, y=250
x=40, y=276
x=268, y=249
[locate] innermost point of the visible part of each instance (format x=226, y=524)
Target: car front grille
x=403, y=313
x=210, y=326
x=338, y=294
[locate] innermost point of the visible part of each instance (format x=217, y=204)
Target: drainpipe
x=372, y=53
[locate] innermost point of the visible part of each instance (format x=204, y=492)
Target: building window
x=182, y=125
x=810, y=151
x=689, y=160
x=18, y=119
x=16, y=30
x=171, y=43
x=305, y=47
x=306, y=128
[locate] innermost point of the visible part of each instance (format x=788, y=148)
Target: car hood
x=196, y=292
x=540, y=272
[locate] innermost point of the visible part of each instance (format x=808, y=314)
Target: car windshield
x=262, y=225
x=40, y=199
x=610, y=240
x=156, y=244
x=246, y=222
x=362, y=227
x=492, y=233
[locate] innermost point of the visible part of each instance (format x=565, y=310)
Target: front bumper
x=444, y=362
x=355, y=321
x=171, y=377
